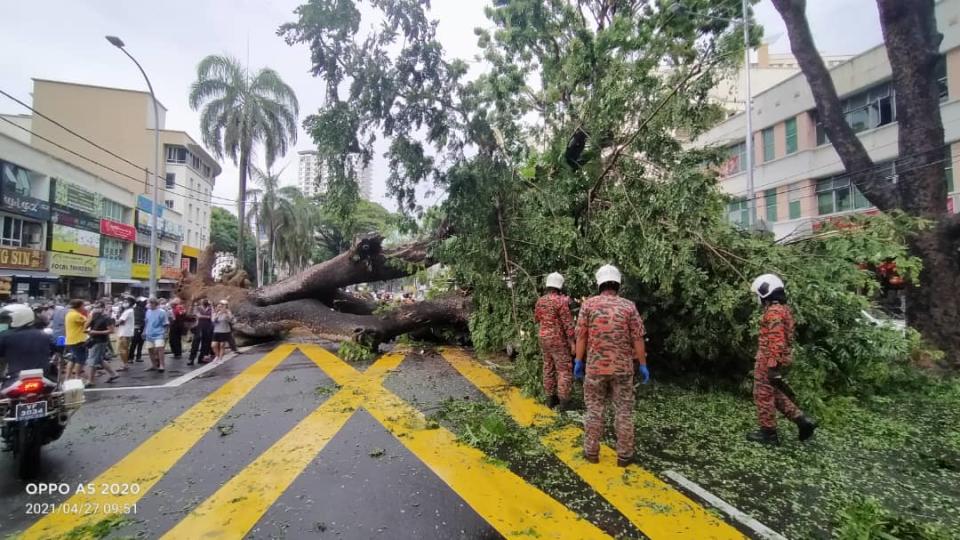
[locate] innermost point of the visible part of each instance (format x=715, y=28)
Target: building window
x=111, y=248
x=206, y=170
x=169, y=203
x=941, y=74
x=794, y=196
x=770, y=198
x=171, y=180
x=176, y=154
x=12, y=232
x=838, y=195
x=168, y=258
x=769, y=152
x=736, y=160
x=738, y=212
x=141, y=254
x=790, y=130
x=113, y=210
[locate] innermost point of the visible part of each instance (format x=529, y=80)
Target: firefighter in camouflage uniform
x=610, y=349
x=770, y=390
x=552, y=313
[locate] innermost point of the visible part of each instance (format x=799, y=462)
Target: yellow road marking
x=146, y=464
x=656, y=508
x=511, y=505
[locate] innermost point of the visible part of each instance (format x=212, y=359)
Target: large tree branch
x=366, y=261
x=878, y=190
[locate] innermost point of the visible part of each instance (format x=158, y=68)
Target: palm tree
x=267, y=205
x=240, y=111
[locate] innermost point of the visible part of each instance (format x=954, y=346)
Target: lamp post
x=748, y=140
x=155, y=203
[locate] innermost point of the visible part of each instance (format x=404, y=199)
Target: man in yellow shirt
x=75, y=324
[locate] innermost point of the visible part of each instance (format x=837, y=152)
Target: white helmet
x=555, y=280
x=20, y=315
x=608, y=273
x=764, y=285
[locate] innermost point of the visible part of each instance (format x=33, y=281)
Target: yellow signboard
x=70, y=240
x=140, y=271
x=68, y=264
x=190, y=251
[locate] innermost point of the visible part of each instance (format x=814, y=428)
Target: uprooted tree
x=563, y=156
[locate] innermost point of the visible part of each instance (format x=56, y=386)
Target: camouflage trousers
x=557, y=370
x=770, y=399
x=597, y=390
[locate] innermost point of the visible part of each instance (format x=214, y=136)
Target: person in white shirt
x=125, y=329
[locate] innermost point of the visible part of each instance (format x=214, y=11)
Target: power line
x=111, y=169
x=95, y=145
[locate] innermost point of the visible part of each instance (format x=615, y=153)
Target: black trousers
x=136, y=345
x=202, y=338
x=176, y=340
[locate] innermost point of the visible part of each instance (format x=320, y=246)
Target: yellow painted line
x=146, y=465
x=655, y=507
x=507, y=502
x=237, y=506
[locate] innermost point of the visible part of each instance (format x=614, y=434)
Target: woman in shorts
x=222, y=328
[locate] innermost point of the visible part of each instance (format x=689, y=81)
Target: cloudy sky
x=63, y=40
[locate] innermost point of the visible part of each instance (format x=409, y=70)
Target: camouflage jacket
x=611, y=325
x=552, y=313
x=776, y=336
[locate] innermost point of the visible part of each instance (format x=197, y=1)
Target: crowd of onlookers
x=109, y=335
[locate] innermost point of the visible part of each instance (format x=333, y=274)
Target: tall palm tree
x=266, y=201
x=242, y=110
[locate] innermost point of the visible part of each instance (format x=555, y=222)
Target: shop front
x=24, y=276
x=78, y=274
x=190, y=257
x=116, y=278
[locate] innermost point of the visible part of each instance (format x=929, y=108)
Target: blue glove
x=642, y=370
x=579, y=370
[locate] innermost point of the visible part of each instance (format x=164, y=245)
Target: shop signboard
x=75, y=219
x=144, y=220
x=6, y=285
x=190, y=251
x=16, y=195
x=140, y=271
x=170, y=272
x=144, y=203
x=68, y=264
x=118, y=230
x=27, y=259
x=70, y=240
x=115, y=269
x=171, y=230
x=68, y=195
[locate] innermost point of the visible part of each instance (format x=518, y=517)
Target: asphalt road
x=290, y=442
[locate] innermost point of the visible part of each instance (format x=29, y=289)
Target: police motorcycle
x=36, y=403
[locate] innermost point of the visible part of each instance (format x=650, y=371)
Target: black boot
x=764, y=436
x=552, y=401
x=806, y=425
x=591, y=459
x=564, y=406
x=623, y=462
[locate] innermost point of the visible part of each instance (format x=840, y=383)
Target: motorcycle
x=34, y=411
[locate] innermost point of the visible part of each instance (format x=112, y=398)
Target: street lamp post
x=118, y=43
x=748, y=140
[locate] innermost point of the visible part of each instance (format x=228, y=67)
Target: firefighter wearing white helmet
x=770, y=391
x=552, y=314
x=610, y=349
x=22, y=343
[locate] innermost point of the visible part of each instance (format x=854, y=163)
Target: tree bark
x=912, y=43
x=242, y=203
x=366, y=261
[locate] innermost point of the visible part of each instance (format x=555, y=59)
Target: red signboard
x=118, y=230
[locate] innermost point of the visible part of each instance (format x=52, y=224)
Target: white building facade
x=311, y=177
x=799, y=180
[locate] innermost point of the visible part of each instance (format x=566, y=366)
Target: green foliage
x=224, y=229
x=867, y=519
x=355, y=352
x=487, y=426
x=97, y=530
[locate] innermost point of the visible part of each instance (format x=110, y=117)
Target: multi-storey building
x=799, y=180
x=311, y=176
x=90, y=190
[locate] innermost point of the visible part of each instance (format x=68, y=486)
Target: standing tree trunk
x=912, y=42
x=242, y=202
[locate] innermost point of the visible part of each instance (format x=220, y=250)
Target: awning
x=29, y=274
x=118, y=280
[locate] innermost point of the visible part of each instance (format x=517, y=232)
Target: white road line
x=761, y=530
x=173, y=383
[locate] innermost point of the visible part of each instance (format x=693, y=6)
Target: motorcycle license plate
x=30, y=411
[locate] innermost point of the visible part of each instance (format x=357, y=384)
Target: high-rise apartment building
x=311, y=176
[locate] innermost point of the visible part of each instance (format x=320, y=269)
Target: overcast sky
x=63, y=40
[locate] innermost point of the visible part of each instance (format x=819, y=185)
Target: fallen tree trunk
x=365, y=262
x=314, y=301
